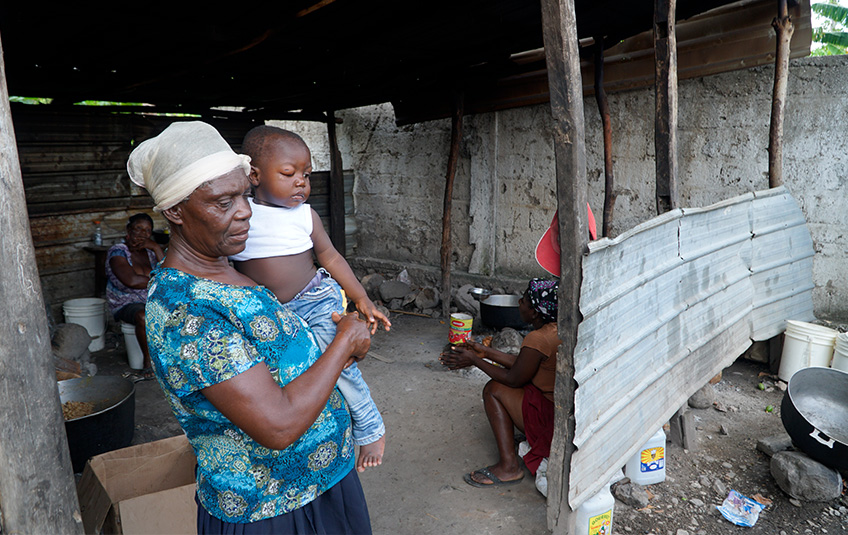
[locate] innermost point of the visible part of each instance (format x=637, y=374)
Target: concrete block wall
x=505, y=192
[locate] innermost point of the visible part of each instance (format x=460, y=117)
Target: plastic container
x=97, y=237
x=647, y=466
x=805, y=345
x=460, y=328
x=840, y=353
x=134, y=354
x=90, y=312
x=594, y=516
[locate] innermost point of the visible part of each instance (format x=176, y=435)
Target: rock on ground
x=805, y=479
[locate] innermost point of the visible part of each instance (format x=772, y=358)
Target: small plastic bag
x=740, y=509
x=542, y=477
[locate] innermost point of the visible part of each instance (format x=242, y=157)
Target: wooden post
x=603, y=108
x=446, y=249
x=784, y=29
x=665, y=91
x=37, y=490
x=559, y=29
x=337, y=196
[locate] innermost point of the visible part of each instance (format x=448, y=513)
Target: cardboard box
x=142, y=489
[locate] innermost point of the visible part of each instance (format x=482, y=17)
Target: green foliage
x=831, y=35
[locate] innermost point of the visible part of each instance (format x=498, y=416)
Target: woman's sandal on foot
x=495, y=481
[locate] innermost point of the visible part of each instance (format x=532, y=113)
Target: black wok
x=109, y=427
x=814, y=412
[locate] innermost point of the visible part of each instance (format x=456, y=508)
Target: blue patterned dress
x=202, y=332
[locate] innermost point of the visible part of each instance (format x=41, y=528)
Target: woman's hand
x=371, y=314
x=354, y=332
x=462, y=355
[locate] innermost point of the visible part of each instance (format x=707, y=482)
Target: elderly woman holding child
x=244, y=376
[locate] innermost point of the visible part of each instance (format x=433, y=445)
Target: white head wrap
x=185, y=155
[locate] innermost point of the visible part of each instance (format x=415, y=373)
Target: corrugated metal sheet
x=668, y=305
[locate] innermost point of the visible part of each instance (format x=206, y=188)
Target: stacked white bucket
x=840, y=353
x=806, y=345
x=90, y=312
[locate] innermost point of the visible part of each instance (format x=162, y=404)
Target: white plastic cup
x=647, y=466
x=90, y=312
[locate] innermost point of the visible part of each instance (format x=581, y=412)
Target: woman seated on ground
x=128, y=267
x=520, y=394
x=243, y=374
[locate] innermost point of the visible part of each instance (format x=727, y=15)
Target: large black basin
x=109, y=427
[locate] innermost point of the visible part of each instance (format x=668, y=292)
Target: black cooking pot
x=814, y=412
x=109, y=427
x=499, y=311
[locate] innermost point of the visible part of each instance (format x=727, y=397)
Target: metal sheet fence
x=668, y=305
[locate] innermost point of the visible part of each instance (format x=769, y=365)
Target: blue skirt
x=340, y=510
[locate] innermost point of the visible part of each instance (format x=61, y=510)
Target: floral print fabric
x=543, y=298
x=203, y=332
x=118, y=294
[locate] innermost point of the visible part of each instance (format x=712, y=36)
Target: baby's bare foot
x=371, y=455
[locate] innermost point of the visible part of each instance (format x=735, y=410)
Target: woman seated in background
x=243, y=374
x=128, y=267
x=521, y=392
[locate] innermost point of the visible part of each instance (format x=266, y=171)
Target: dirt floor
x=437, y=431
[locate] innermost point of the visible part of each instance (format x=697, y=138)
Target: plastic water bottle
x=595, y=514
x=98, y=234
x=647, y=466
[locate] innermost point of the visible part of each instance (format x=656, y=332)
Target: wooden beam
x=559, y=29
x=665, y=92
x=446, y=249
x=37, y=490
x=784, y=29
x=337, y=198
x=603, y=109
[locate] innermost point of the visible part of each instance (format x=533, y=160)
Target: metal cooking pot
x=814, y=412
x=109, y=427
x=499, y=311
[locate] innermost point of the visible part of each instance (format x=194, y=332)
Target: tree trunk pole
x=559, y=29
x=603, y=108
x=337, y=196
x=446, y=249
x=784, y=29
x=665, y=91
x=37, y=490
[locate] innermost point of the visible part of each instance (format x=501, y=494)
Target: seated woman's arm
x=275, y=417
x=516, y=372
x=156, y=248
x=126, y=274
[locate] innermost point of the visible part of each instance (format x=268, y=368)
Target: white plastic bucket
x=90, y=312
x=134, y=354
x=805, y=345
x=840, y=353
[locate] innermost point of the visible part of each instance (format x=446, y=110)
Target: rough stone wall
x=505, y=192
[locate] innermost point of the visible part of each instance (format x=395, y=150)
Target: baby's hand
x=371, y=314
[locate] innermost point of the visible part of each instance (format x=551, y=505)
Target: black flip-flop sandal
x=495, y=481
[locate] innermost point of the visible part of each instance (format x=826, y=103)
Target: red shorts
x=538, y=414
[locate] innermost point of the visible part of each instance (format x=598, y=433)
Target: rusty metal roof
x=312, y=55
